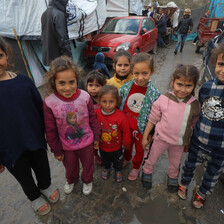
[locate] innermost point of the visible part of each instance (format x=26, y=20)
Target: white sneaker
x=68, y=188
x=87, y=188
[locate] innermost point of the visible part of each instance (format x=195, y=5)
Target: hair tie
x=180, y=65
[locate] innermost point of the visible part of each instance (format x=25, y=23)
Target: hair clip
x=180, y=65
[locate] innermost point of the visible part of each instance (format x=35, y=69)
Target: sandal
x=182, y=191
x=147, y=180
x=49, y=192
x=172, y=185
x=105, y=174
x=197, y=200
x=38, y=203
x=118, y=176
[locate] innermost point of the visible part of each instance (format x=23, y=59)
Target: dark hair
x=216, y=52
x=120, y=53
x=5, y=47
x=60, y=64
x=110, y=89
x=143, y=57
x=95, y=75
x=188, y=71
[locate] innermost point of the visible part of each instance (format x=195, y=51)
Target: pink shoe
x=133, y=174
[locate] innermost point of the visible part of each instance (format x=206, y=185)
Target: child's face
x=66, y=83
x=3, y=63
x=142, y=73
x=108, y=102
x=122, y=67
x=93, y=88
x=182, y=87
x=219, y=67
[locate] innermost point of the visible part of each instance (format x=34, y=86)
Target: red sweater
x=115, y=130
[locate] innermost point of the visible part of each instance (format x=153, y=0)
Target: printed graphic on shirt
x=134, y=102
x=75, y=129
x=110, y=135
x=213, y=108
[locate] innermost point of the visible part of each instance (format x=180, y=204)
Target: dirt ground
x=120, y=203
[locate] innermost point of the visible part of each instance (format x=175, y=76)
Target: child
x=94, y=82
x=207, y=142
x=22, y=145
x=71, y=124
x=174, y=114
x=100, y=66
x=122, y=68
x=137, y=98
x=115, y=131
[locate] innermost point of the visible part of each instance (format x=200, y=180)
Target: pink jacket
x=70, y=124
x=174, y=120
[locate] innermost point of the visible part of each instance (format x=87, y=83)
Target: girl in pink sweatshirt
x=72, y=129
x=174, y=115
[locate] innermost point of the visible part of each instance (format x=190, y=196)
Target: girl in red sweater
x=115, y=132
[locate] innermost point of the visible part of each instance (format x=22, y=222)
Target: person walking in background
x=207, y=142
x=72, y=129
x=184, y=27
x=100, y=66
x=54, y=31
x=174, y=114
x=23, y=146
x=137, y=98
x=161, y=25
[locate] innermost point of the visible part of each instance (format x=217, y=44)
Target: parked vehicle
x=207, y=70
x=132, y=33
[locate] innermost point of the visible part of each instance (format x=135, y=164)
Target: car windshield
x=121, y=26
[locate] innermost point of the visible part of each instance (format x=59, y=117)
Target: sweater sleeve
x=93, y=122
x=52, y=135
x=126, y=132
x=155, y=114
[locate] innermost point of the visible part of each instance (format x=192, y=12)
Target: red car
x=132, y=33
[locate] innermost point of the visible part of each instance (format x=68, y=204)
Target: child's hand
x=186, y=148
x=145, y=143
x=96, y=145
x=2, y=168
x=59, y=158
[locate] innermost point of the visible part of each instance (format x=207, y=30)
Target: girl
x=100, y=66
x=115, y=132
x=174, y=114
x=94, y=82
x=137, y=98
x=122, y=68
x=71, y=124
x=207, y=142
x=22, y=145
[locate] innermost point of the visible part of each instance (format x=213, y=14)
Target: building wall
x=182, y=4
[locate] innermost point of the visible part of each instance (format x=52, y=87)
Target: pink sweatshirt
x=70, y=124
x=174, y=120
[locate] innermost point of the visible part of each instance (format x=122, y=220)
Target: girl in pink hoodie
x=174, y=115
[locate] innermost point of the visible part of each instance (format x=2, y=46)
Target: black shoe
x=172, y=185
x=221, y=178
x=181, y=50
x=147, y=180
x=175, y=52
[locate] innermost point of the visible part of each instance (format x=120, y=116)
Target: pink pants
x=71, y=163
x=157, y=149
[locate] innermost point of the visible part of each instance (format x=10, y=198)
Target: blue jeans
x=160, y=40
x=181, y=39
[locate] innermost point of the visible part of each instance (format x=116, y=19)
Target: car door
x=149, y=36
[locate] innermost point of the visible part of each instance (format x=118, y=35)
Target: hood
x=99, y=58
x=112, y=40
x=59, y=4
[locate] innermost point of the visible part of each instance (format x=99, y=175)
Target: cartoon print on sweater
x=134, y=102
x=110, y=135
x=75, y=129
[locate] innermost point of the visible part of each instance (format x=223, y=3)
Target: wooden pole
x=23, y=56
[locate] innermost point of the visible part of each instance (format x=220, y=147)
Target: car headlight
x=125, y=46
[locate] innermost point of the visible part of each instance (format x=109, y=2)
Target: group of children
x=79, y=125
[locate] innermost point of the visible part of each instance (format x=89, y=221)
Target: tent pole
x=21, y=51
